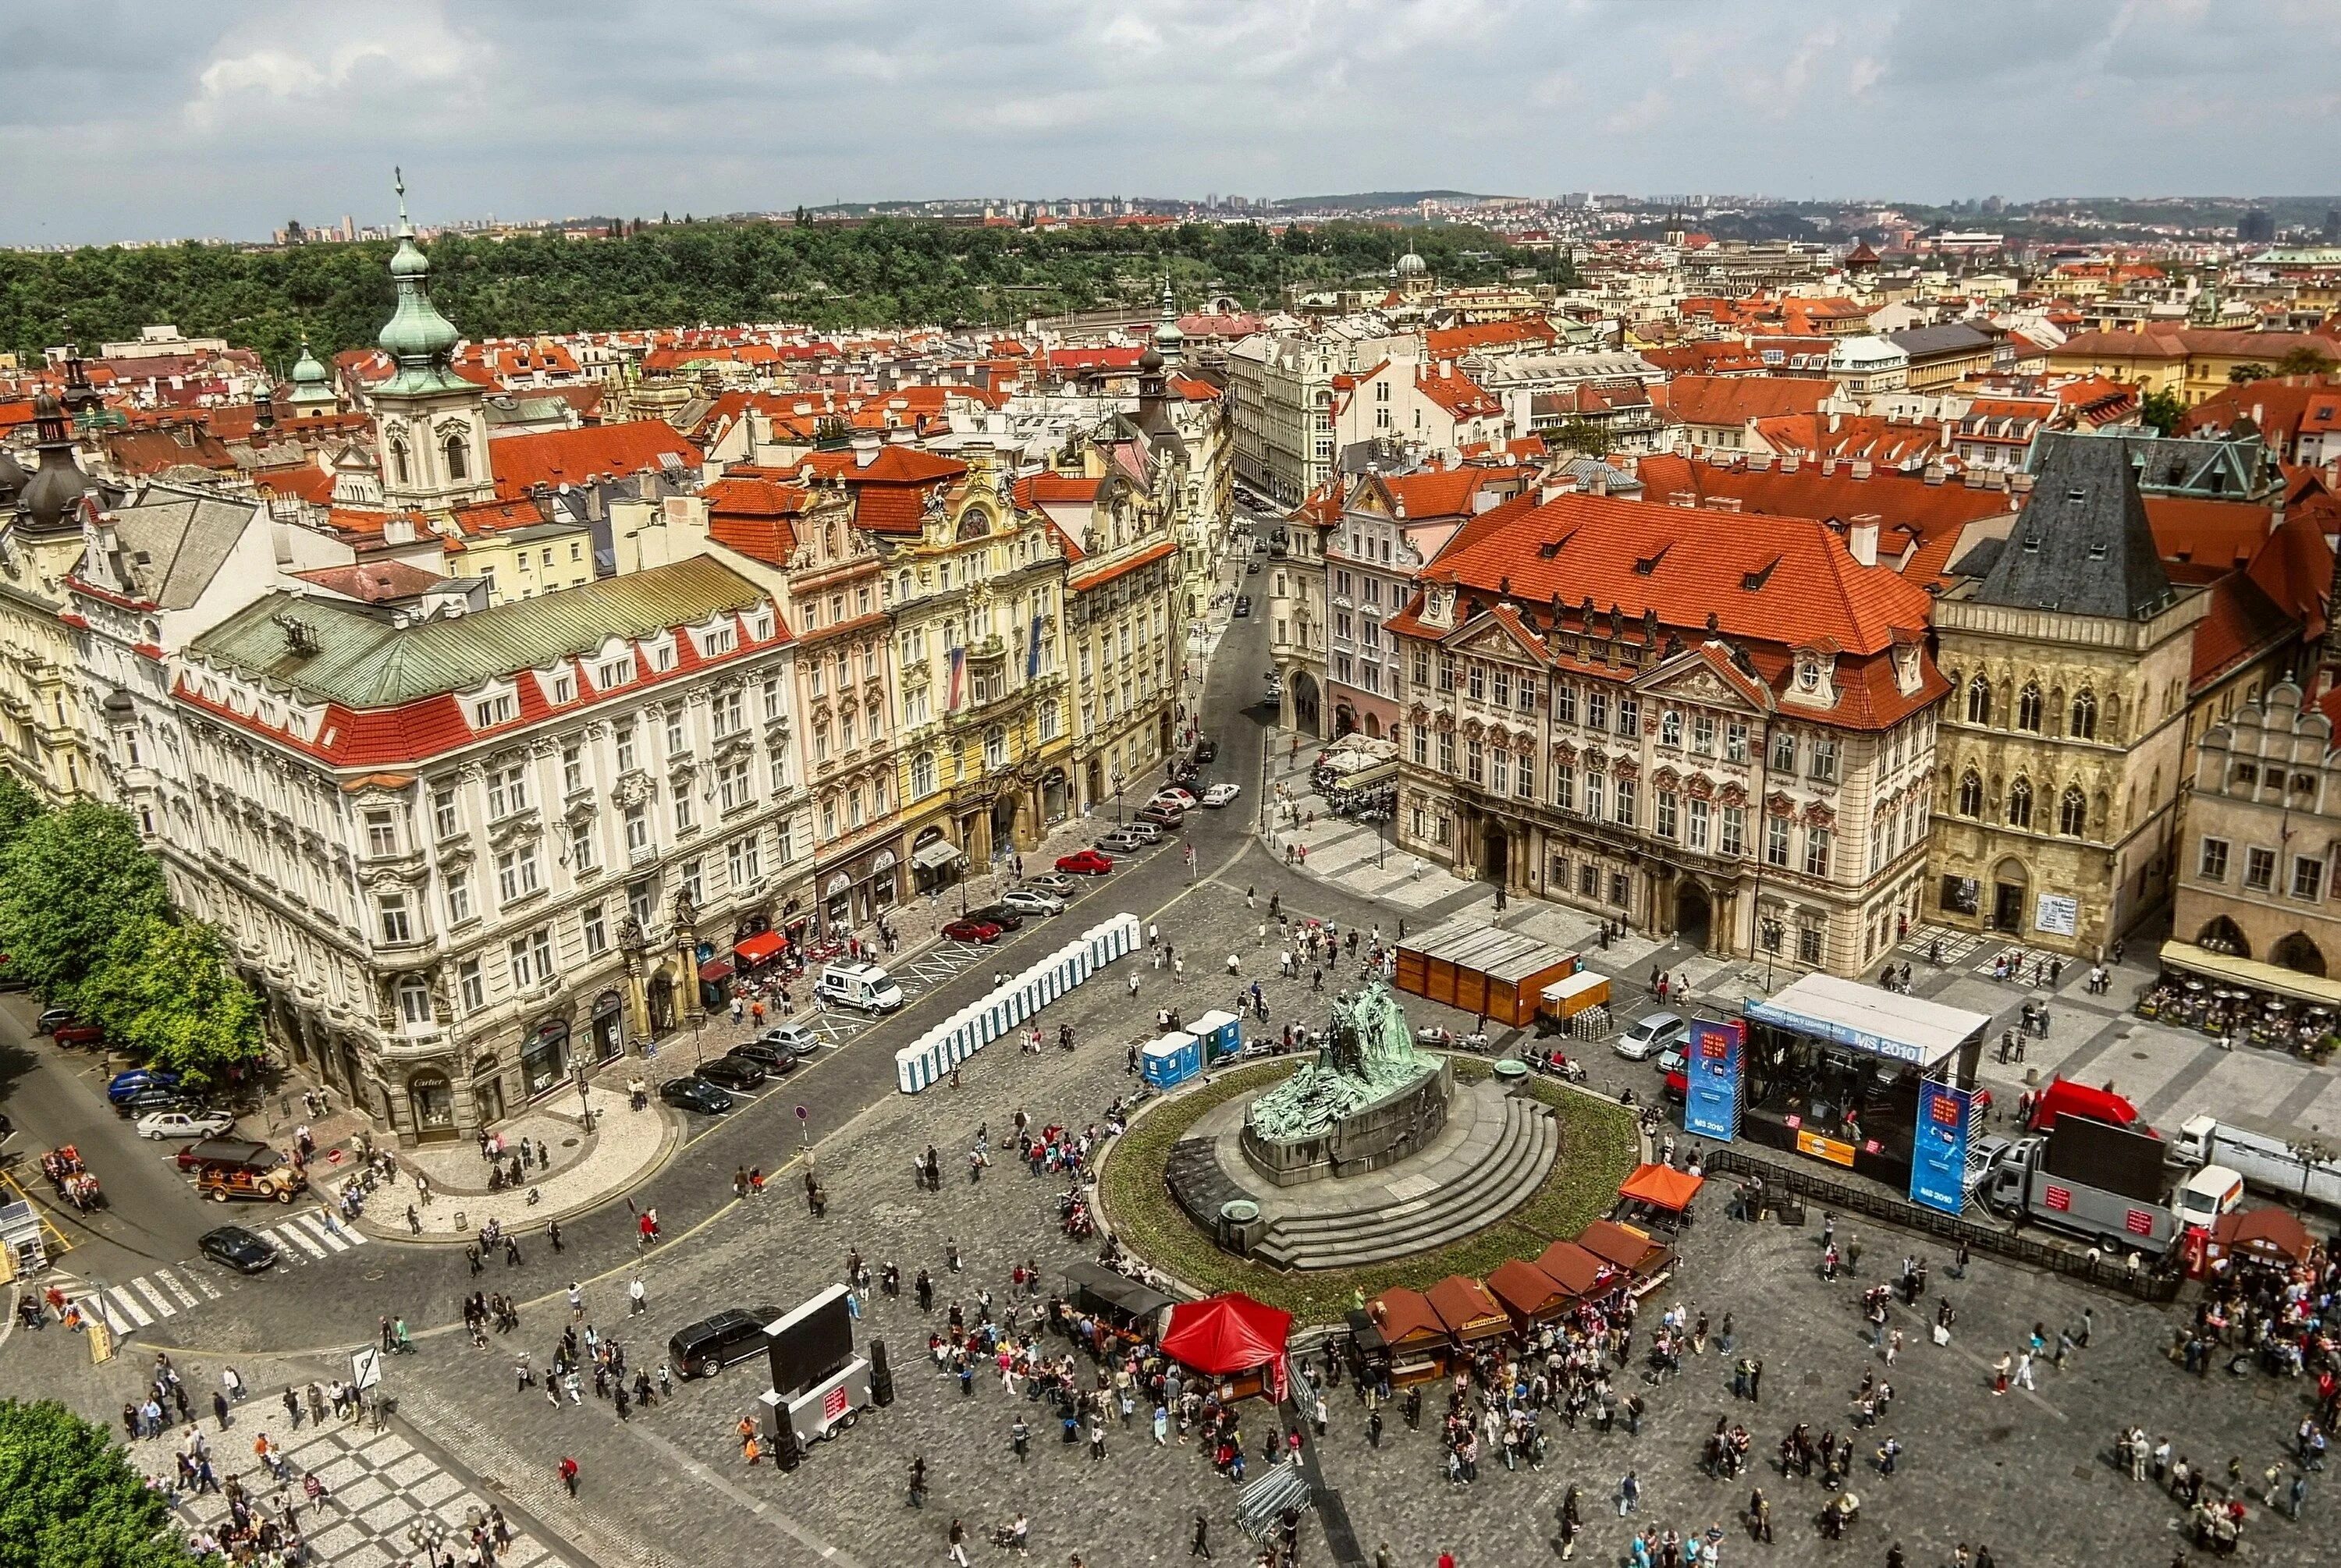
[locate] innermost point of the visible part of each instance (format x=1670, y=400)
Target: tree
x=72, y=881
x=2251, y=371
x=2161, y=409
x=18, y=807
x=2307, y=360
x=69, y=1496
x=1580, y=435
x=166, y=994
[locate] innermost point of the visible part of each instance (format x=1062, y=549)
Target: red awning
x=1226, y=1333
x=760, y=949
x=1661, y=1186
x=716, y=971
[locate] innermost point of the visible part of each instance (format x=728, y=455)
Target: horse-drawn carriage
x=72, y=1179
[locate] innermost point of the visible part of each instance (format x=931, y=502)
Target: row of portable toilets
x=968, y=1030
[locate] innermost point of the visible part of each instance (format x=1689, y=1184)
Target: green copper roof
x=416, y=335
x=361, y=660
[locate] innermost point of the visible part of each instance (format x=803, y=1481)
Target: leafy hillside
x=885, y=273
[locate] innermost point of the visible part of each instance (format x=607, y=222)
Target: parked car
x=777, y=1061
x=1162, y=814
x=1123, y=841
x=999, y=915
x=1029, y=900
x=160, y=1125
x=1207, y=749
x=1218, y=795
x=1252, y=569
x=236, y=1247
x=794, y=1038
x=277, y=1184
x=704, y=1348
x=1175, y=795
x=146, y=1102
x=51, y=1017
x=1673, y=1059
x=1085, y=863
x=730, y=1072
x=692, y=1093
x=1053, y=885
x=972, y=930
x=1243, y=604
x=122, y=1085
x=77, y=1034
x=1654, y=1034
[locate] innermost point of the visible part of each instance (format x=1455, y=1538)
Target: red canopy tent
x=1230, y=1333
x=1661, y=1186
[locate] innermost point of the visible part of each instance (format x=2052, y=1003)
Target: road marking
x=302, y=1236
x=120, y=1296
x=161, y=1303
x=194, y=1273
x=171, y=1282
x=313, y=1223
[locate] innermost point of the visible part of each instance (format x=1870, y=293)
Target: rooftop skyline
x=228, y=120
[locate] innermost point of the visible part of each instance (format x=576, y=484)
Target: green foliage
x=69, y=884
x=166, y=994
x=2239, y=374
x=2304, y=361
x=884, y=273
x=1580, y=435
x=18, y=807
x=70, y=1499
x=1599, y=1148
x=2162, y=410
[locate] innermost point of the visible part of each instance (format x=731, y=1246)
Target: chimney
x=1934, y=472
x=1861, y=468
x=1976, y=479
x=865, y=443
x=1861, y=537
x=1791, y=462
x=1723, y=503
x=2019, y=483
x=1829, y=465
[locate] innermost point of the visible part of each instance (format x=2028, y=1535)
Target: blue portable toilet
x=1222, y=1034
x=1172, y=1059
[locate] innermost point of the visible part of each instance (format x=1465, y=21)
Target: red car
x=1085, y=863
x=972, y=931
x=78, y=1035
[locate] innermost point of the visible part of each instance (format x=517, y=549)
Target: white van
x=2207, y=1195
x=865, y=987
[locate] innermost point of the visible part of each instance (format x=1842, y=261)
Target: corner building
x=1707, y=725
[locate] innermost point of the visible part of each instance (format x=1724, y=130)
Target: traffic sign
x=366, y=1366
x=802, y=1113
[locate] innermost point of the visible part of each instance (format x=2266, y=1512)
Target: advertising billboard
x=1939, y=1154
x=1712, y=1066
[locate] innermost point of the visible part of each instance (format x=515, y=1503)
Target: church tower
x=433, y=423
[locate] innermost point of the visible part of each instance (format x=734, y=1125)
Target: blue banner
x=1711, y=1065
x=1939, y=1154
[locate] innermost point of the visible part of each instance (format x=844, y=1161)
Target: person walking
x=1201, y=1545
x=1630, y=1495
x=569, y=1474
x=957, y=1536
x=634, y=1294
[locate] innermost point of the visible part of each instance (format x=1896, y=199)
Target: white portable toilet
x=910, y=1070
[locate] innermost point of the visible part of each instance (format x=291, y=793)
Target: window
x=995, y=748
x=1475, y=678
x=1596, y=709
x=488, y=711
x=686, y=815
x=1422, y=664
x=695, y=882
x=596, y=927
x=1695, y=825
x=1979, y=701
x=2085, y=716
x=625, y=743
x=1471, y=762
x=2073, y=816
x=675, y=738
x=1589, y=878
x=642, y=901
x=2307, y=878
x=1564, y=704
x=1808, y=944
x=1447, y=753
x=1621, y=890
x=517, y=874
x=1422, y=746
x=507, y=791
x=396, y=927
x=615, y=672
x=1823, y=761
x=1970, y=794
x=2215, y=860
x=1702, y=734
x=1564, y=787
x=1664, y=825
x=470, y=987
x=2028, y=707
x=381, y=832
x=572, y=769
x=583, y=856
x=1595, y=789
x=2020, y=804
x=564, y=687
x=459, y=457
x=1629, y=716
x=444, y=818
x=1628, y=802
x=459, y=897
x=772, y=696
x=638, y=829
x=1734, y=741
x=2259, y=869
x=728, y=714
x=1670, y=728
x=1784, y=751
x=922, y=774
x=413, y=999
x=745, y=861
x=1732, y=839
x=1503, y=693
x=1776, y=841
x=530, y=958
x=1499, y=770
x=1816, y=851
x=732, y=788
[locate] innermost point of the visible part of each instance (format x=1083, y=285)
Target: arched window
x=1970, y=794
x=1979, y=701
x=2085, y=716
x=413, y=999
x=2020, y=804
x=995, y=748
x=400, y=472
x=2073, y=812
x=459, y=457
x=922, y=774
x=2027, y=707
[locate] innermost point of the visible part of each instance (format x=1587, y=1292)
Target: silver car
x=1653, y=1035
x=1031, y=901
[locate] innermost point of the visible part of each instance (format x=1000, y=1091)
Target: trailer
x=2023, y=1187
x=1475, y=967
x=2265, y=1154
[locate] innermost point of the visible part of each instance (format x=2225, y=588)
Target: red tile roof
x=751, y=516
x=889, y=492
x=1518, y=333
x=558, y=457
x=2241, y=623
x=1733, y=401
x=1049, y=489
x=1107, y=574
x=1460, y=396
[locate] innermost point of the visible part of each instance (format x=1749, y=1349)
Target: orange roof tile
x=557, y=457
x=1733, y=401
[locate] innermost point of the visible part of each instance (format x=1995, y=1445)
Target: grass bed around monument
x=1598, y=1149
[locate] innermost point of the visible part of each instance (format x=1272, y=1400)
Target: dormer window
x=564, y=687
x=661, y=657
x=613, y=673
x=491, y=711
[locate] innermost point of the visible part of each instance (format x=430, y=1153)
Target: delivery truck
x=2270, y=1155
x=2021, y=1186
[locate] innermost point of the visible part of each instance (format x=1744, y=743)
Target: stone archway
x=2222, y=935
x=2009, y=880
x=1304, y=702
x=1374, y=726
x=1496, y=853
x=1694, y=913
x=1345, y=720
x=2295, y=950
x=1007, y=814
x=661, y=1003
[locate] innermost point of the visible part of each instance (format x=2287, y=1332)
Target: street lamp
x=1772, y=928
x=2311, y=1151
x=1117, y=796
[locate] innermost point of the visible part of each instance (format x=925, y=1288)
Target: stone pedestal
x=1380, y=1133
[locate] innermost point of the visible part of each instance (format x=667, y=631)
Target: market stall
x=1475, y=967
x=1630, y=1250
x=1659, y=1189
x=1528, y=1295
x=1470, y=1313
x=1234, y=1340
x=2264, y=1004
x=1413, y=1336
x=1571, y=1267
x=1134, y=1311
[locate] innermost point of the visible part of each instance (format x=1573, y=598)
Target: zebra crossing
x=300, y=1239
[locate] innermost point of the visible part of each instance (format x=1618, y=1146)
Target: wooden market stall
x=1470, y=1313
x=1469, y=965
x=1412, y=1334
x=1529, y=1295
x=1632, y=1250
x=1571, y=1267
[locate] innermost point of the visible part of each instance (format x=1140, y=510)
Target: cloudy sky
x=127, y=119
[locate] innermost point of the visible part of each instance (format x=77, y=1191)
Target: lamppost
x=1772, y=928
x=2311, y=1151
x=1117, y=798
x=584, y=1101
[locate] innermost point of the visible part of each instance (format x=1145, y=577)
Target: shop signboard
x=2059, y=914
x=1711, y=1104
x=1938, y=1161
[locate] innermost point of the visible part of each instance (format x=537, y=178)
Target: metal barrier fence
x=2149, y=1283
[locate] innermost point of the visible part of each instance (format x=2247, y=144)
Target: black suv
x=999, y=915
x=704, y=1348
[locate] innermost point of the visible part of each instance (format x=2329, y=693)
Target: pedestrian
x=569, y=1474
x=634, y=1305
x=553, y=1235
x=576, y=1302
x=1630, y=1495
x=1201, y=1546
x=957, y=1536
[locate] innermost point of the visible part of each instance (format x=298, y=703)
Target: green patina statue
x=1368, y=1053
